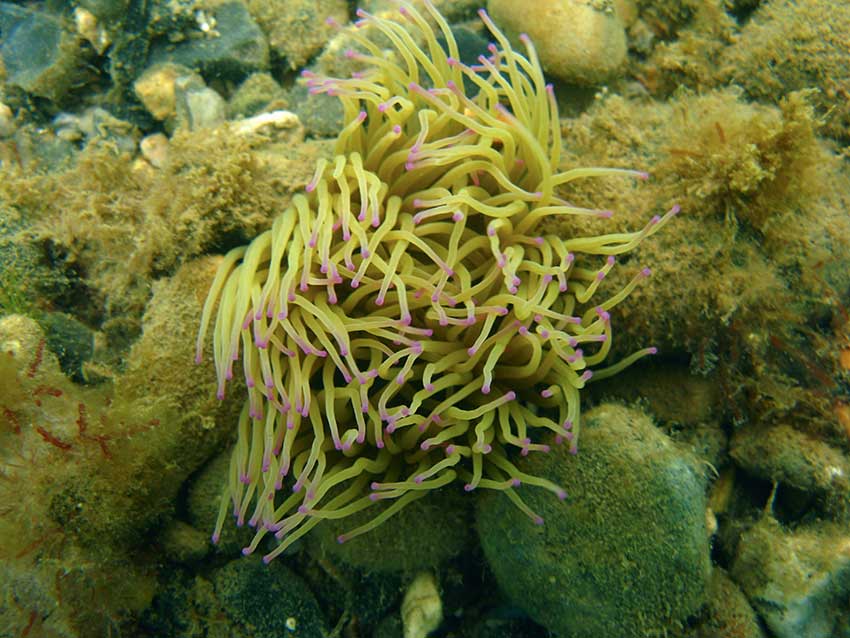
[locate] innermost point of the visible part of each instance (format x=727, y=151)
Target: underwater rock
x=272, y=599
x=236, y=48
x=105, y=9
x=784, y=455
x=674, y=394
x=182, y=543
x=202, y=503
x=687, y=403
x=158, y=427
x=798, y=581
x=71, y=341
x=154, y=149
x=424, y=534
x=320, y=114
x=270, y=123
x=728, y=613
x=197, y=107
x=39, y=54
x=258, y=93
x=626, y=553
x=95, y=124
x=155, y=88
x=576, y=40
x=7, y=121
x=297, y=29
x=91, y=30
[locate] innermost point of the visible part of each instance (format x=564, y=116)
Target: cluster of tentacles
x=406, y=322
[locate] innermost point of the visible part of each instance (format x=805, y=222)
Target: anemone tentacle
x=407, y=321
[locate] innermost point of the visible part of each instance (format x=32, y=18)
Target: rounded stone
x=626, y=553
x=578, y=41
x=423, y=535
x=272, y=600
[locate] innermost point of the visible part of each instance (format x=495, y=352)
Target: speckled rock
x=198, y=107
x=578, y=41
x=204, y=499
x=785, y=455
x=260, y=92
x=272, y=599
x=232, y=49
x=626, y=554
x=182, y=543
x=798, y=581
x=39, y=54
x=452, y=10
x=424, y=534
x=297, y=29
x=728, y=613
x=155, y=88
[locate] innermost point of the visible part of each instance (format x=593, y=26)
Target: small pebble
x=154, y=149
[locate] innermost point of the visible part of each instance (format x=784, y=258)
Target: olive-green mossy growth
x=423, y=535
x=752, y=164
x=791, y=45
x=626, y=553
x=728, y=613
x=265, y=600
x=297, y=29
x=257, y=94
x=781, y=46
x=797, y=579
x=55, y=450
x=25, y=278
x=102, y=465
x=761, y=249
x=122, y=223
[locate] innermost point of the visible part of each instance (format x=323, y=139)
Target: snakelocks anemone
x=407, y=322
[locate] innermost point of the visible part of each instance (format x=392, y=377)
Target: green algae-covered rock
x=40, y=55
x=424, y=534
x=625, y=554
x=272, y=600
x=239, y=49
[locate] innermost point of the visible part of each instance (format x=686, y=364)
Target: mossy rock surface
x=270, y=600
x=626, y=554
x=424, y=534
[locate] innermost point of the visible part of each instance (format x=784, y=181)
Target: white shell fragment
x=422, y=609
